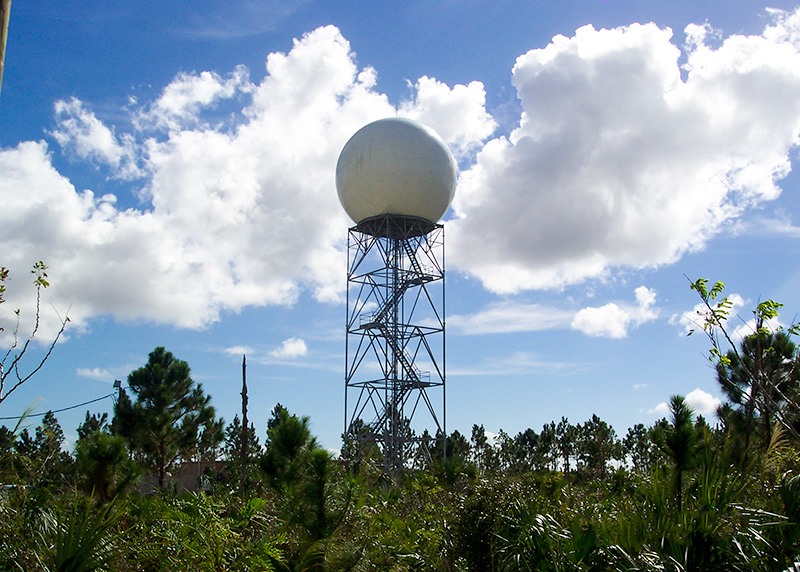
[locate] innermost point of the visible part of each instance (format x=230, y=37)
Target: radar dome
x=395, y=166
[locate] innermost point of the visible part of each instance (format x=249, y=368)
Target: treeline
x=679, y=495
x=588, y=450
x=109, y=459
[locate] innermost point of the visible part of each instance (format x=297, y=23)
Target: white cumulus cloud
x=79, y=130
x=238, y=208
x=613, y=320
x=181, y=102
x=459, y=114
x=702, y=402
x=291, y=348
x=618, y=161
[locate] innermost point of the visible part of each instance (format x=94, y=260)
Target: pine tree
x=168, y=419
x=102, y=460
x=678, y=440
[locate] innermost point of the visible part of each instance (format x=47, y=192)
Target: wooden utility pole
x=5, y=12
x=243, y=445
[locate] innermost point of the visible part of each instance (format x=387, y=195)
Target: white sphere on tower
x=396, y=166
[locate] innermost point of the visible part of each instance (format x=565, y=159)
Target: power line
x=58, y=410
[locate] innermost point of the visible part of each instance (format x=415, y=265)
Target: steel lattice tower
x=395, y=343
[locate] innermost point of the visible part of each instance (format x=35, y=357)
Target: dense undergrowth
x=431, y=520
x=679, y=496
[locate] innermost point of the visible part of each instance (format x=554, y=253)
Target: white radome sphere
x=396, y=166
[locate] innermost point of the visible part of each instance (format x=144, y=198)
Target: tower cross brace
x=395, y=339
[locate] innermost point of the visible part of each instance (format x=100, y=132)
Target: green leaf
x=716, y=290
x=699, y=286
x=767, y=309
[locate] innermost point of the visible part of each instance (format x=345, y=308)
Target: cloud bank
x=238, y=208
x=621, y=159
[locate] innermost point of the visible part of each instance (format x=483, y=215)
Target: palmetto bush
x=71, y=534
x=26, y=521
x=199, y=532
x=403, y=527
x=85, y=539
x=510, y=525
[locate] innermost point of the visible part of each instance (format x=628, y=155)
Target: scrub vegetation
x=685, y=494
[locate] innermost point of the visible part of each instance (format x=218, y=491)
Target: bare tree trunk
x=5, y=12
x=243, y=445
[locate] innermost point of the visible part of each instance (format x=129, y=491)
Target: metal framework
x=395, y=350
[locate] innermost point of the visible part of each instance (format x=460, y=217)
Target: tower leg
x=394, y=351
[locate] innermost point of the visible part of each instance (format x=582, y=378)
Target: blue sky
x=173, y=163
